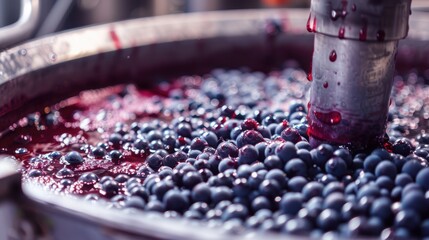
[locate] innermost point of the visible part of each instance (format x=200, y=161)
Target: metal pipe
x=353, y=65
x=24, y=27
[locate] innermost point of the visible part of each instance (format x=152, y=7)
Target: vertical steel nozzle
x=353, y=65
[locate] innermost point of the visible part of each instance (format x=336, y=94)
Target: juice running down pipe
x=352, y=70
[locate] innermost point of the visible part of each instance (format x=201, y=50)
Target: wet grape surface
x=231, y=147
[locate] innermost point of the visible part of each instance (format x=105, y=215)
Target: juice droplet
x=363, y=32
x=311, y=24
x=115, y=39
x=388, y=146
x=354, y=7
x=344, y=12
x=182, y=140
x=331, y=118
x=341, y=33
x=325, y=84
x=310, y=76
x=333, y=56
x=285, y=123
x=308, y=106
x=309, y=29
x=381, y=35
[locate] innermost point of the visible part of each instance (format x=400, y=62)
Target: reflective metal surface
x=356, y=86
x=24, y=27
x=361, y=19
x=353, y=67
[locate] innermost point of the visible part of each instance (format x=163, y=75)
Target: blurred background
x=26, y=19
x=34, y=18
x=98, y=11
